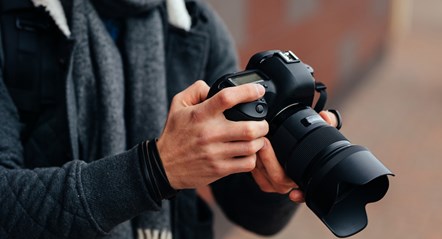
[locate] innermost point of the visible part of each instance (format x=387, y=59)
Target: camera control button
x=312, y=119
x=259, y=108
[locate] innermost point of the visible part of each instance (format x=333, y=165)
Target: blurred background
x=381, y=61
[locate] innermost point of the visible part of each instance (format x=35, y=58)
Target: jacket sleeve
x=77, y=200
x=238, y=195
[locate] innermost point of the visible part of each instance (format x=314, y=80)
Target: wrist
x=154, y=173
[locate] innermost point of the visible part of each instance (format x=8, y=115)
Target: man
x=83, y=152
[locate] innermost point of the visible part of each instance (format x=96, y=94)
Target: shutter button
x=259, y=108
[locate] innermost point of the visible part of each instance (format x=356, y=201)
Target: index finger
x=231, y=96
x=192, y=95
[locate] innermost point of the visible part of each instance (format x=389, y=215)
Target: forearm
x=77, y=200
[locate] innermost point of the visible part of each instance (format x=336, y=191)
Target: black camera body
x=295, y=84
x=338, y=178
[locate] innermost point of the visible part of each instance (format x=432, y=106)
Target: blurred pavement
x=396, y=112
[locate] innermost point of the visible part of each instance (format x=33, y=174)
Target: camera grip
x=255, y=110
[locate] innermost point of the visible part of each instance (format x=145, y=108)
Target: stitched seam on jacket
x=55, y=199
x=43, y=227
x=84, y=202
x=75, y=215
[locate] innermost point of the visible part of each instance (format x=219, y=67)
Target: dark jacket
x=87, y=200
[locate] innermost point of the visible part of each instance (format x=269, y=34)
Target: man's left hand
x=269, y=174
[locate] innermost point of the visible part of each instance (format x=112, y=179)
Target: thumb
x=329, y=117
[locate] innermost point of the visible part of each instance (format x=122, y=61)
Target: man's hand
x=269, y=174
x=199, y=145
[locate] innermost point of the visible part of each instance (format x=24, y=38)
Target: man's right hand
x=199, y=145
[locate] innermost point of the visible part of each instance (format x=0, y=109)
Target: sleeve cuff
x=114, y=189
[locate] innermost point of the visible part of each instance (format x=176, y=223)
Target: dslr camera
x=337, y=177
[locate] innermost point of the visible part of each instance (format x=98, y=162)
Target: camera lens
x=337, y=177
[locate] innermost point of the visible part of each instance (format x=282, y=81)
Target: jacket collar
x=178, y=16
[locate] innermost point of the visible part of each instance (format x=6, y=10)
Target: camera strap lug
x=321, y=89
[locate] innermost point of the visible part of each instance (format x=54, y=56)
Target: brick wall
x=339, y=38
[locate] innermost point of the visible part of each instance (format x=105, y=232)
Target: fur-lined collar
x=54, y=8
x=176, y=11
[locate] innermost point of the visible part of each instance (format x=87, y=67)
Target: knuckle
x=225, y=98
x=196, y=115
x=250, y=163
x=205, y=138
x=203, y=150
x=265, y=126
x=177, y=98
x=201, y=140
x=200, y=84
x=218, y=169
x=250, y=148
x=249, y=132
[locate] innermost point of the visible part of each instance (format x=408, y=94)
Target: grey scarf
x=120, y=91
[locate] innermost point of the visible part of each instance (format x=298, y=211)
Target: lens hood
x=340, y=190
x=337, y=177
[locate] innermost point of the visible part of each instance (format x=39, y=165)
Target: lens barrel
x=337, y=177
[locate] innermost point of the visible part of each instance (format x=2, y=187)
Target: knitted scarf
x=120, y=91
